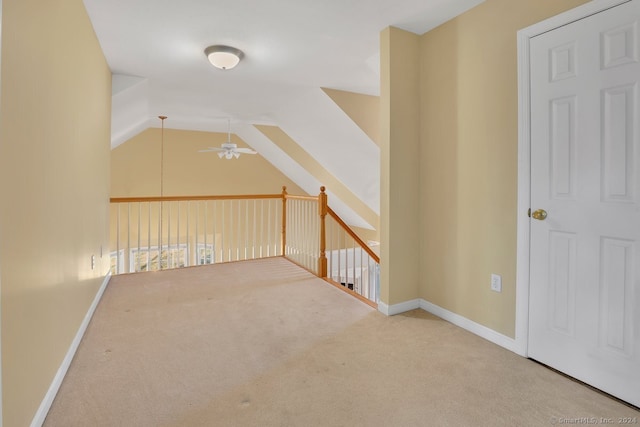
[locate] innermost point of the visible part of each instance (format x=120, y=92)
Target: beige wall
x=399, y=166
x=468, y=158
x=135, y=167
x=364, y=110
x=54, y=180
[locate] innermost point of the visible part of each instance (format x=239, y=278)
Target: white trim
x=0, y=274
x=41, y=414
x=392, y=310
x=383, y=308
x=524, y=194
x=471, y=326
x=451, y=317
x=524, y=158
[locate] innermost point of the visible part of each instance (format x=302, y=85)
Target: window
x=146, y=259
x=117, y=262
x=206, y=254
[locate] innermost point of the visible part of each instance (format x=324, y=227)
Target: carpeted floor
x=265, y=343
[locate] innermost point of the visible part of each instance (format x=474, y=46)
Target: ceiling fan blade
x=211, y=149
x=246, y=151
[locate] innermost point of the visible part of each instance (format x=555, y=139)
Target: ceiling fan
x=229, y=150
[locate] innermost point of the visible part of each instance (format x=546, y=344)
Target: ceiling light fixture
x=223, y=57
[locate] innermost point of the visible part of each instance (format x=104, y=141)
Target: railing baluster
x=128, y=268
x=222, y=223
x=275, y=230
x=214, y=244
x=138, y=230
x=314, y=250
x=206, y=220
x=118, y=241
x=239, y=239
x=169, y=252
x=218, y=229
x=339, y=259
x=197, y=254
x=148, y=236
x=354, y=266
x=253, y=247
x=160, y=236
x=305, y=231
x=246, y=229
x=299, y=221
x=269, y=230
x=189, y=251
x=361, y=274
x=231, y=231
x=299, y=248
x=180, y=256
x=261, y=226
x=291, y=224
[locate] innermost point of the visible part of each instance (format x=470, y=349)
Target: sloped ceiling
x=292, y=48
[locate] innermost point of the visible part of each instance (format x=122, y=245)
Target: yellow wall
x=468, y=158
x=364, y=110
x=135, y=167
x=399, y=166
x=54, y=181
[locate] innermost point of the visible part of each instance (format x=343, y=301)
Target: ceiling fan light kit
x=223, y=57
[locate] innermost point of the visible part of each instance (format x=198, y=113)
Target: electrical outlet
x=496, y=283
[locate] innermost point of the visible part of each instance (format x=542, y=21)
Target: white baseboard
x=469, y=325
x=392, y=310
x=43, y=410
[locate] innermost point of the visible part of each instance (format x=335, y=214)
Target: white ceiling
x=292, y=48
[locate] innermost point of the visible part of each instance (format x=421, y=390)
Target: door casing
x=524, y=156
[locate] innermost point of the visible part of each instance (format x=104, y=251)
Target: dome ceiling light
x=223, y=57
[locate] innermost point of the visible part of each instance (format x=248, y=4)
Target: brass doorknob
x=539, y=214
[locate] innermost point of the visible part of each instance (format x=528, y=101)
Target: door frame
x=1, y=416
x=524, y=156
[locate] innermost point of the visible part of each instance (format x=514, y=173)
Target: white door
x=584, y=302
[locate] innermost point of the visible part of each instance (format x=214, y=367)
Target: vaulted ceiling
x=293, y=49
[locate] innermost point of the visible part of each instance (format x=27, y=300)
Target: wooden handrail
x=187, y=198
x=352, y=233
x=309, y=198
x=283, y=196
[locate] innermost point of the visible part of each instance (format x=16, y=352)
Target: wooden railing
x=156, y=233
x=350, y=262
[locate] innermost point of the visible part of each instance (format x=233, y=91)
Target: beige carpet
x=265, y=343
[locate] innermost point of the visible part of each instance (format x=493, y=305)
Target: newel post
x=283, y=237
x=322, y=211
